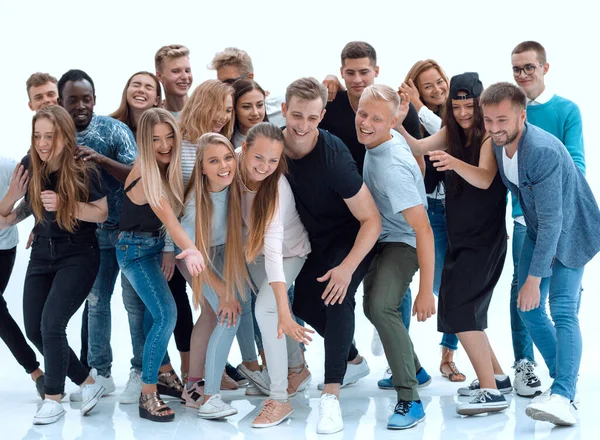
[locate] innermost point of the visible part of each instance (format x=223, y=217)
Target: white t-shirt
x=511, y=170
x=9, y=237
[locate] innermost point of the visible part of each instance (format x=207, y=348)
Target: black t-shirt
x=339, y=120
x=321, y=181
x=48, y=226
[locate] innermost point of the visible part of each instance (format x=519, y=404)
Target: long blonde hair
x=266, y=199
x=159, y=184
x=73, y=175
x=235, y=273
x=198, y=112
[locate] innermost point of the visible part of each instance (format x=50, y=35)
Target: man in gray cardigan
x=562, y=219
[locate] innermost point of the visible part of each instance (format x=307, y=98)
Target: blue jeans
x=559, y=342
x=437, y=218
x=140, y=260
x=521, y=341
x=222, y=336
x=98, y=319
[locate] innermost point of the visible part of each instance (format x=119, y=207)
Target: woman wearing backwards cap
x=476, y=235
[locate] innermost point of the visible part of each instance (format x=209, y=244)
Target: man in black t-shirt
x=359, y=70
x=343, y=224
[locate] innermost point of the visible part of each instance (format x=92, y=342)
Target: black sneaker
x=483, y=402
x=527, y=384
x=503, y=386
x=233, y=373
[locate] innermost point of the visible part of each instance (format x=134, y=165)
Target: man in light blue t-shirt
x=392, y=175
x=561, y=118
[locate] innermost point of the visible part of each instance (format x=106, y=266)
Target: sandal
x=169, y=384
x=454, y=375
x=152, y=407
x=192, y=397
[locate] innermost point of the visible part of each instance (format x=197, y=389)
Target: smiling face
x=222, y=116
x=43, y=96
x=78, y=100
x=142, y=93
x=218, y=165
x=250, y=110
x=302, y=119
x=43, y=137
x=261, y=159
x=532, y=85
x=463, y=111
x=433, y=88
x=357, y=74
x=163, y=138
x=374, y=120
x=504, y=122
x=176, y=76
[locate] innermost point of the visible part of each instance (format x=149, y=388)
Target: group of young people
x=275, y=210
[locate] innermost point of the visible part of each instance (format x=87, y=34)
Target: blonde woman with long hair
x=67, y=200
x=148, y=209
x=213, y=215
x=276, y=249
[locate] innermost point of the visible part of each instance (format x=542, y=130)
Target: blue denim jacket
x=560, y=210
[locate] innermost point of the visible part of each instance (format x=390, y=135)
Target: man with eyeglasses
x=232, y=64
x=562, y=118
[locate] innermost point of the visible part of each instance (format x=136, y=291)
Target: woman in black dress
x=476, y=237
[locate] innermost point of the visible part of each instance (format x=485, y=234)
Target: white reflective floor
x=365, y=408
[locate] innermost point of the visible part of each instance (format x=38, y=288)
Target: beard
x=510, y=137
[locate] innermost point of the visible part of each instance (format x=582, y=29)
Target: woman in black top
x=65, y=196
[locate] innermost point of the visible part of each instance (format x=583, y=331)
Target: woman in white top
x=276, y=248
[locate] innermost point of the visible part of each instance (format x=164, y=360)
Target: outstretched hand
x=194, y=261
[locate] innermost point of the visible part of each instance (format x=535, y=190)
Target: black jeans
x=59, y=277
x=185, y=322
x=335, y=323
x=9, y=330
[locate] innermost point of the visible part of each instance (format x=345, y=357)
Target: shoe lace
x=403, y=407
x=474, y=385
x=526, y=368
x=481, y=397
x=326, y=403
x=269, y=407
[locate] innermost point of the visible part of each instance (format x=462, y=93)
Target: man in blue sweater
x=562, y=219
x=562, y=118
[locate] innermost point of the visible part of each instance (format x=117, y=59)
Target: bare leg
x=478, y=349
x=495, y=363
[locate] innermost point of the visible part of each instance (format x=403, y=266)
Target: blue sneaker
x=406, y=415
x=423, y=379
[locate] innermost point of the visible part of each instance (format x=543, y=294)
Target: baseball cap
x=467, y=82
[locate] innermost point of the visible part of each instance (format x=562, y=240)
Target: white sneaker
x=107, y=382
x=259, y=378
x=215, y=408
x=354, y=372
x=133, y=388
x=546, y=395
x=330, y=415
x=91, y=395
x=253, y=390
x=50, y=412
x=376, y=345
x=556, y=409
x=527, y=383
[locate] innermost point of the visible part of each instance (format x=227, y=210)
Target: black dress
x=475, y=256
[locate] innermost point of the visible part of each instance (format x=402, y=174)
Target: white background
x=110, y=40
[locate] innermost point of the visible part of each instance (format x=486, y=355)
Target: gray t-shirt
x=218, y=234
x=392, y=175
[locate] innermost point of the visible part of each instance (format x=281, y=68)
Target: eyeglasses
x=230, y=81
x=528, y=69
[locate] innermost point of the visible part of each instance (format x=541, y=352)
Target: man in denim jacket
x=562, y=219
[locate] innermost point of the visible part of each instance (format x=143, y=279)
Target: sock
x=500, y=377
x=493, y=391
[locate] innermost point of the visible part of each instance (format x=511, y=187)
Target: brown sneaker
x=272, y=413
x=298, y=381
x=228, y=384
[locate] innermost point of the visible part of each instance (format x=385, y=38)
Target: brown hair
x=235, y=273
x=307, y=89
x=167, y=52
x=39, y=79
x=197, y=114
x=526, y=46
x=422, y=66
x=73, y=177
x=266, y=199
x=243, y=86
x=359, y=49
x=122, y=113
x=500, y=91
